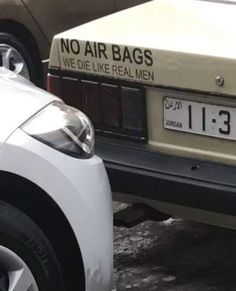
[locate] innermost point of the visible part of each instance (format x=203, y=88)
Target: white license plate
x=200, y=118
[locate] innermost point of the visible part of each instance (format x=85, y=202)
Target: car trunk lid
x=184, y=44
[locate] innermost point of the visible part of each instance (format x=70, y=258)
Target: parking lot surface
x=174, y=255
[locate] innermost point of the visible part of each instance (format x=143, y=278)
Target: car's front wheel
x=15, y=57
x=27, y=260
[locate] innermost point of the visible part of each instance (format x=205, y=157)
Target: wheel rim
x=11, y=59
x=15, y=274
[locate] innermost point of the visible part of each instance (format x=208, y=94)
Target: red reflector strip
x=92, y=100
x=111, y=106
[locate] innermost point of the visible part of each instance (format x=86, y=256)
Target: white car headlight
x=64, y=128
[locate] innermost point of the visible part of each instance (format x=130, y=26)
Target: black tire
x=21, y=235
x=32, y=64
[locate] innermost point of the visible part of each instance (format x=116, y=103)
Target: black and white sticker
x=133, y=63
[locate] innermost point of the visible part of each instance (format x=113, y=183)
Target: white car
x=55, y=200
x=158, y=82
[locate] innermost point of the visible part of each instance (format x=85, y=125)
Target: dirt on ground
x=174, y=255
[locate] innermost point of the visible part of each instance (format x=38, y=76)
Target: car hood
x=20, y=100
x=183, y=44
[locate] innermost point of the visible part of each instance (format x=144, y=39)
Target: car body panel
x=64, y=14
x=21, y=99
x=16, y=12
x=176, y=57
x=87, y=206
x=123, y=4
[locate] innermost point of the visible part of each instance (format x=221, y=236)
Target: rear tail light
x=111, y=105
x=71, y=92
x=113, y=108
x=91, y=101
x=54, y=84
x=133, y=109
x=66, y=88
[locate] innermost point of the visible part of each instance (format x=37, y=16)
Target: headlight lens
x=64, y=128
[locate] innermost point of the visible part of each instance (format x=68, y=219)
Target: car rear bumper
x=138, y=170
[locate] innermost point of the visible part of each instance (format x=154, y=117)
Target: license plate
x=200, y=118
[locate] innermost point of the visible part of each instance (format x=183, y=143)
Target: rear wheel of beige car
x=27, y=260
x=15, y=57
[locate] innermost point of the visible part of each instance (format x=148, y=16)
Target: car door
x=122, y=4
x=58, y=15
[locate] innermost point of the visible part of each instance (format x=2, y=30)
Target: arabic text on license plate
x=200, y=118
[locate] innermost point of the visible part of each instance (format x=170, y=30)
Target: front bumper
x=141, y=171
x=81, y=190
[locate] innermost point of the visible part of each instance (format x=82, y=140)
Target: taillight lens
x=66, y=88
x=54, y=84
x=133, y=109
x=111, y=105
x=91, y=100
x=113, y=108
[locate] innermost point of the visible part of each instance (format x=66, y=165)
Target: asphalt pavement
x=174, y=255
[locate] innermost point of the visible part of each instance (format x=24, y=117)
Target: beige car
x=162, y=96
x=27, y=28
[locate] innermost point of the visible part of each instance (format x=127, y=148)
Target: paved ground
x=175, y=255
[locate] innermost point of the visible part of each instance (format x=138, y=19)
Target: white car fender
x=57, y=174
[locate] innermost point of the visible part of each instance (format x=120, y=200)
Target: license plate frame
x=199, y=118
